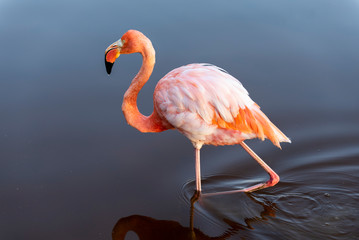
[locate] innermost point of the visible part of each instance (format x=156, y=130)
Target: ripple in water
x=315, y=200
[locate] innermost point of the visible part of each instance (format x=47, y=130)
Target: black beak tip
x=108, y=67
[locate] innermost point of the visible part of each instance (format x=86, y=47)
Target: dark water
x=71, y=168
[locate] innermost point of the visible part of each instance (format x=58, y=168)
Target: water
x=71, y=168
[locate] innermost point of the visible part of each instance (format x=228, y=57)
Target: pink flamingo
x=202, y=101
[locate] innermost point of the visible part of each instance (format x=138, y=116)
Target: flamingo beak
x=111, y=54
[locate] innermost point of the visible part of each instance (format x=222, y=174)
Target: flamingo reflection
x=147, y=228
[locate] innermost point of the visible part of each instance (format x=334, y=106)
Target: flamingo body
x=202, y=101
x=209, y=106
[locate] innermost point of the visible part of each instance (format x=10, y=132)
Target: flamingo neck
x=151, y=123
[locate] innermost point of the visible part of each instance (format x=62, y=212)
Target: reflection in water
x=148, y=228
x=316, y=199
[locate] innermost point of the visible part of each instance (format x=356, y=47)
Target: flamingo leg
x=273, y=177
x=198, y=170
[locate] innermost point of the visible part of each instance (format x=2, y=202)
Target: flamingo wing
x=210, y=106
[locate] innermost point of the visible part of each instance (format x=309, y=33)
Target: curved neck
x=133, y=116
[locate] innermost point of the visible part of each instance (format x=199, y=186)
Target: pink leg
x=273, y=177
x=198, y=171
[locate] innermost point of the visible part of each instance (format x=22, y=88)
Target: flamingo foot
x=273, y=180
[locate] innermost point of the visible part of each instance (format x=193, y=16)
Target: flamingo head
x=132, y=41
x=112, y=53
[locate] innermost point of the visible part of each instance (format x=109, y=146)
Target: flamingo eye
x=120, y=43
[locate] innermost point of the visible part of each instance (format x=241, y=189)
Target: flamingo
x=202, y=101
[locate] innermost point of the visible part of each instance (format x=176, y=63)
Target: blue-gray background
x=70, y=166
